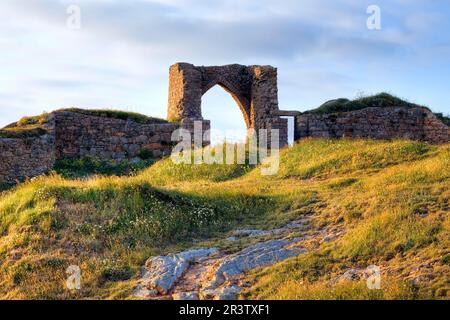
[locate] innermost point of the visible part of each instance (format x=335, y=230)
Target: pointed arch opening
x=227, y=121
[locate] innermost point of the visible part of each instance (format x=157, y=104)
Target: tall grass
x=392, y=198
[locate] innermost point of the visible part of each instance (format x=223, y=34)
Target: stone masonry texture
x=378, y=123
x=28, y=157
x=72, y=135
x=79, y=135
x=254, y=88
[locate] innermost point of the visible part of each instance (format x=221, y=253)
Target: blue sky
x=120, y=56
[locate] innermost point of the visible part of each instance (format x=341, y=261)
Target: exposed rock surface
x=225, y=293
x=254, y=88
x=240, y=233
x=255, y=256
x=215, y=274
x=161, y=273
x=185, y=296
x=352, y=275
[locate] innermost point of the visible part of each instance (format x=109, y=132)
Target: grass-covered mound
x=117, y=114
x=26, y=127
x=21, y=133
x=392, y=198
x=381, y=100
x=32, y=126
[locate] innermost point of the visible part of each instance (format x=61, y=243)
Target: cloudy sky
x=120, y=56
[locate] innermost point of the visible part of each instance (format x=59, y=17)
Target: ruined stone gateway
x=72, y=134
x=254, y=88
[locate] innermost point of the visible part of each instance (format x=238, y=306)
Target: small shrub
x=21, y=272
x=54, y=263
x=116, y=273
x=145, y=154
x=446, y=259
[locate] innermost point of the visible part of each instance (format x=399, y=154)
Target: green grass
x=391, y=198
x=383, y=100
x=443, y=118
x=26, y=127
x=117, y=114
x=32, y=121
x=22, y=132
x=32, y=126
x=88, y=166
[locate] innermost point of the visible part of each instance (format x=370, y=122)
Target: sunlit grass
x=392, y=198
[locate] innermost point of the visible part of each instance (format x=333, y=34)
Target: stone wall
x=75, y=135
x=79, y=135
x=378, y=123
x=434, y=130
x=254, y=88
x=23, y=158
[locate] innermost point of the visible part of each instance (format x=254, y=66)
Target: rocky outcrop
x=161, y=273
x=215, y=274
x=378, y=123
x=252, y=257
x=254, y=88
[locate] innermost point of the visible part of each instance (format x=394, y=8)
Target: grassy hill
x=383, y=100
x=391, y=198
x=380, y=100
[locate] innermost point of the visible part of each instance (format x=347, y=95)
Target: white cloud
x=121, y=55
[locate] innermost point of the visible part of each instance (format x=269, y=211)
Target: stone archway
x=254, y=88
